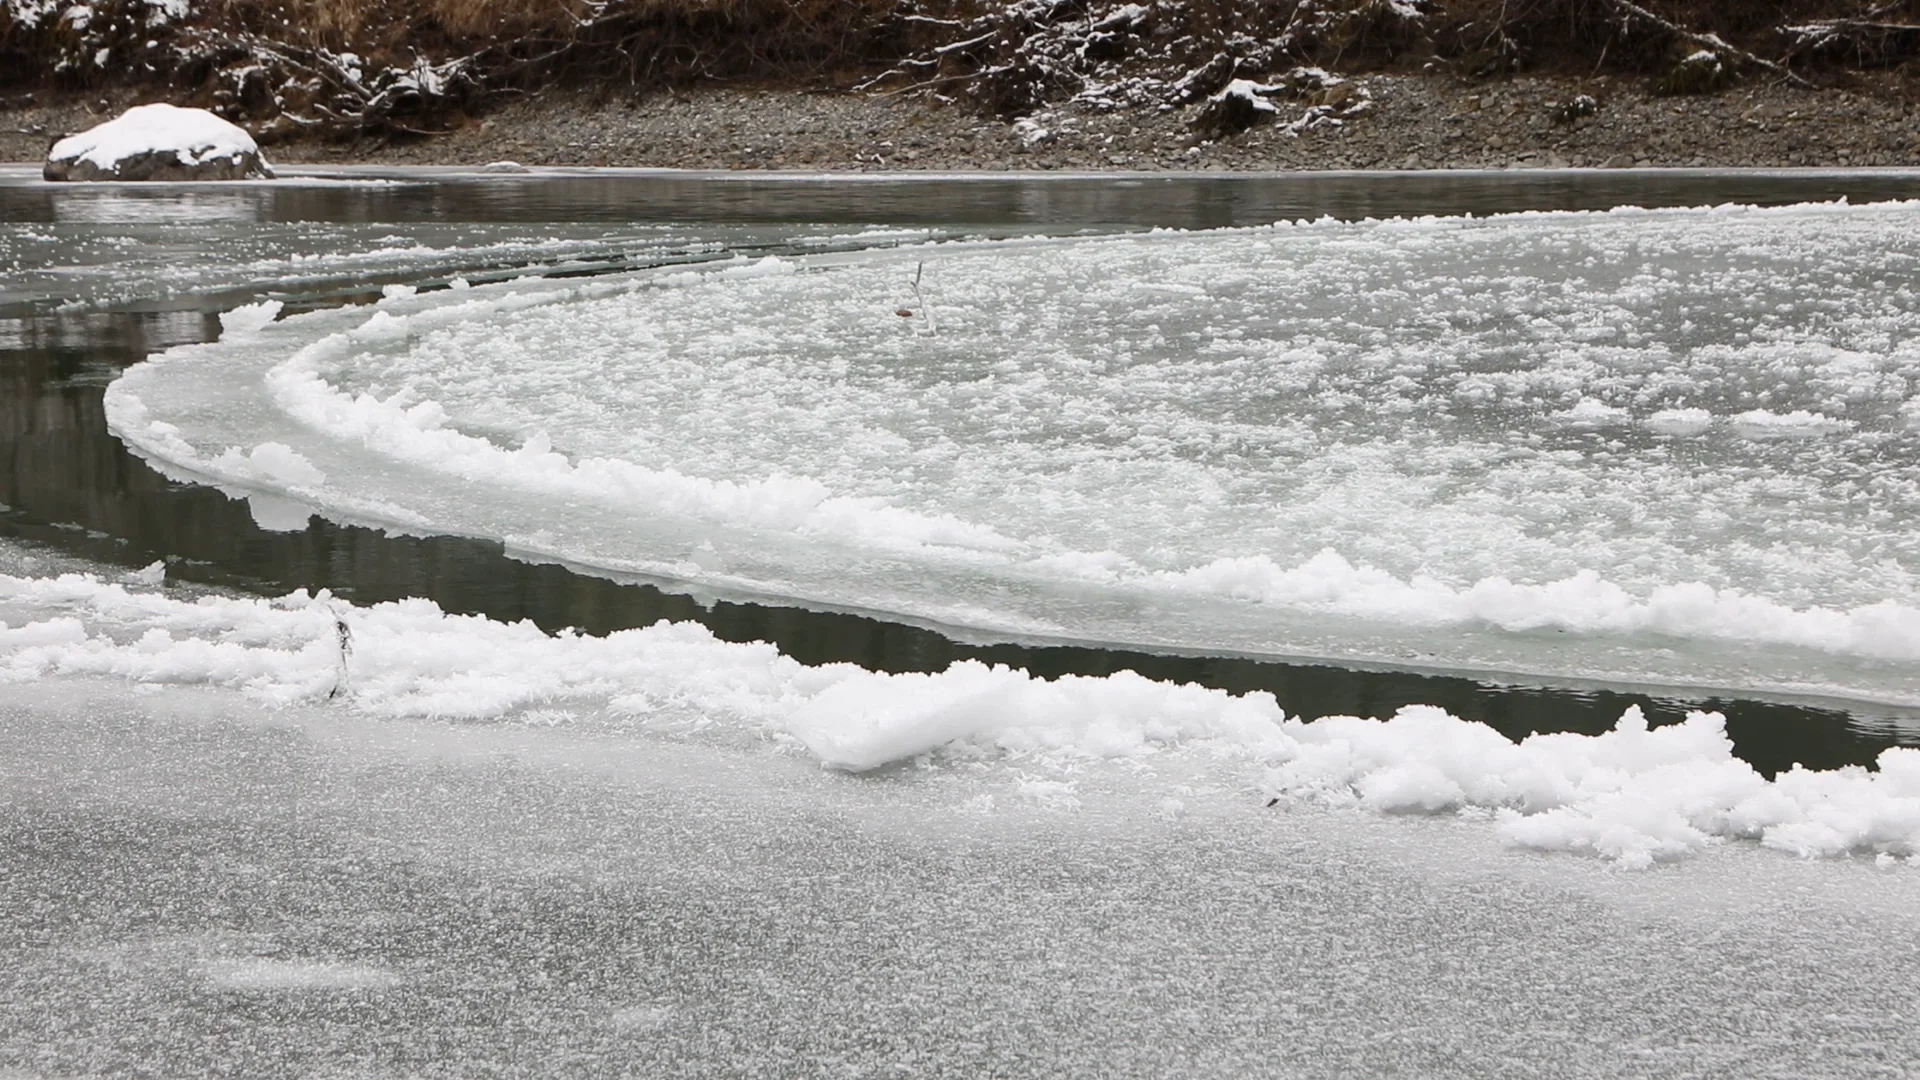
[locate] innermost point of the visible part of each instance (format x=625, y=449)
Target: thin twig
x=932, y=327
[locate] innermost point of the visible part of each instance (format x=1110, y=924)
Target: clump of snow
x=164, y=11
x=1252, y=95
x=1634, y=795
x=272, y=462
x=194, y=137
x=28, y=14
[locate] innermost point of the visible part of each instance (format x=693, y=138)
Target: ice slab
x=1659, y=447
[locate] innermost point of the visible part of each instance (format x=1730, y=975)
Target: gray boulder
x=158, y=142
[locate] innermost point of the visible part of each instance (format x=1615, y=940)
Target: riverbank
x=1413, y=122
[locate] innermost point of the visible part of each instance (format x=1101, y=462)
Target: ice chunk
x=250, y=318
x=1798, y=424
x=1680, y=422
x=274, y=463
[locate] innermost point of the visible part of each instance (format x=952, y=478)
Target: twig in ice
x=932, y=328
x=343, y=634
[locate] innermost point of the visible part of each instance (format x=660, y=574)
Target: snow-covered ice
x=1662, y=446
x=1632, y=795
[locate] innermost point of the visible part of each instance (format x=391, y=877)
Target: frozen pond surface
x=195, y=888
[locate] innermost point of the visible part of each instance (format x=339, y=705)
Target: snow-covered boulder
x=158, y=142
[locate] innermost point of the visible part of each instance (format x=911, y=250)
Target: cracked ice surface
x=1663, y=446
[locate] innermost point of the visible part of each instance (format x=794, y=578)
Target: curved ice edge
x=1633, y=795
x=1326, y=585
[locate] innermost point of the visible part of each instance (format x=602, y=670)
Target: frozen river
x=920, y=471
x=197, y=888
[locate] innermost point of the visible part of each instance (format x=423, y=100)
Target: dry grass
x=523, y=44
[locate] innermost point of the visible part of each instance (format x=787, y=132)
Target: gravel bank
x=1415, y=122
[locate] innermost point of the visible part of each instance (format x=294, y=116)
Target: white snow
x=1253, y=93
x=1440, y=440
x=194, y=135
x=1633, y=795
x=29, y=13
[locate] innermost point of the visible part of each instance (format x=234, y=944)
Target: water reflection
x=68, y=483
x=1146, y=200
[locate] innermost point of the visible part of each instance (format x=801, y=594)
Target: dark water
x=1141, y=201
x=67, y=483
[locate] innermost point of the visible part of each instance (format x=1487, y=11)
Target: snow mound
x=1635, y=795
x=158, y=142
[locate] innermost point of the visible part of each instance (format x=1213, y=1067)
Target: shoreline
x=1415, y=123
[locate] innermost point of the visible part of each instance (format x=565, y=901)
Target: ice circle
x=1658, y=446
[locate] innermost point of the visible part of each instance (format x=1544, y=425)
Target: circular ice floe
x=1451, y=442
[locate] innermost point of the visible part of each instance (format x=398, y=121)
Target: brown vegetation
x=353, y=66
